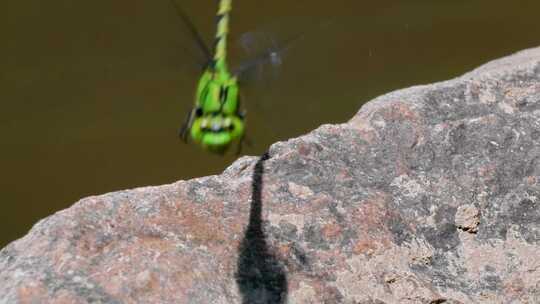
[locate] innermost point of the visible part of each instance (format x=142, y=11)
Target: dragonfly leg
x=248, y=142
x=240, y=145
x=184, y=130
x=242, y=114
x=243, y=140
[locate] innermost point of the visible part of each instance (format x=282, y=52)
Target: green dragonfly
x=217, y=120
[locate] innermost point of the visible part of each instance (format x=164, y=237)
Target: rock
x=428, y=195
x=467, y=218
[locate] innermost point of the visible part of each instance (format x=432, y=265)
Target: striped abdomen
x=220, y=51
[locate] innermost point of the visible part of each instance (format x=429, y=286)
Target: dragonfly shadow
x=260, y=276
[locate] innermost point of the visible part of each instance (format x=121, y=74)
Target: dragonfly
x=217, y=120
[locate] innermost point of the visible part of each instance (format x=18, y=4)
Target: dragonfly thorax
x=217, y=92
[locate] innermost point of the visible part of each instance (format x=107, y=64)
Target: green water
x=93, y=92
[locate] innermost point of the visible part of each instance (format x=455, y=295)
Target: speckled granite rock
x=428, y=195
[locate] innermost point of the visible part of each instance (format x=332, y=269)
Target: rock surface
x=428, y=195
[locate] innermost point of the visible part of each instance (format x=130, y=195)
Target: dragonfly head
x=215, y=132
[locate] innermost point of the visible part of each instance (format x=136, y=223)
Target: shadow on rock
x=260, y=276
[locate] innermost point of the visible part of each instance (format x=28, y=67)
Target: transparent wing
x=266, y=52
x=202, y=54
x=265, y=56
x=258, y=74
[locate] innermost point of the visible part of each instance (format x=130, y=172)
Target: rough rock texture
x=428, y=195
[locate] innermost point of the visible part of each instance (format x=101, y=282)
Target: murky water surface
x=93, y=92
